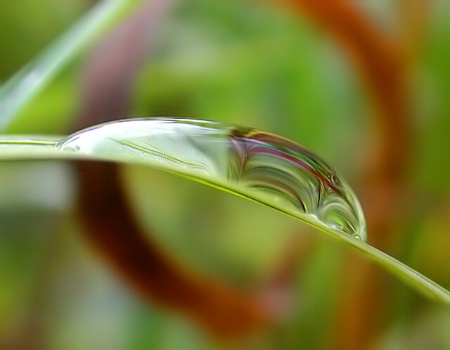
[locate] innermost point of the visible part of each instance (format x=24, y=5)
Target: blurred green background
x=244, y=63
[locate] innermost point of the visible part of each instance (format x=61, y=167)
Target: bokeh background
x=364, y=84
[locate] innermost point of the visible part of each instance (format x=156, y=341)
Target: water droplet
x=255, y=164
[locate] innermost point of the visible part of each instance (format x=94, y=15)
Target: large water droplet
x=254, y=164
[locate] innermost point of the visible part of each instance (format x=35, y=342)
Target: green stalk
x=18, y=91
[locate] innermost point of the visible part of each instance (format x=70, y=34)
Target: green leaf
x=256, y=165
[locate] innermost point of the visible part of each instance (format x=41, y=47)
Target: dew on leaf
x=253, y=164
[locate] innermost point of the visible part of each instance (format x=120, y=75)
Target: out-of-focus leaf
x=19, y=90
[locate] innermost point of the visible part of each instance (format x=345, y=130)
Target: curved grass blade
x=247, y=162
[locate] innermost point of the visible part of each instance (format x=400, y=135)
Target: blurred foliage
x=243, y=63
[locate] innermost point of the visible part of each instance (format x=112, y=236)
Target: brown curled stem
x=383, y=63
x=112, y=230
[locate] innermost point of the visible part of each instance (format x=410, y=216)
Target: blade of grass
x=15, y=147
x=17, y=92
